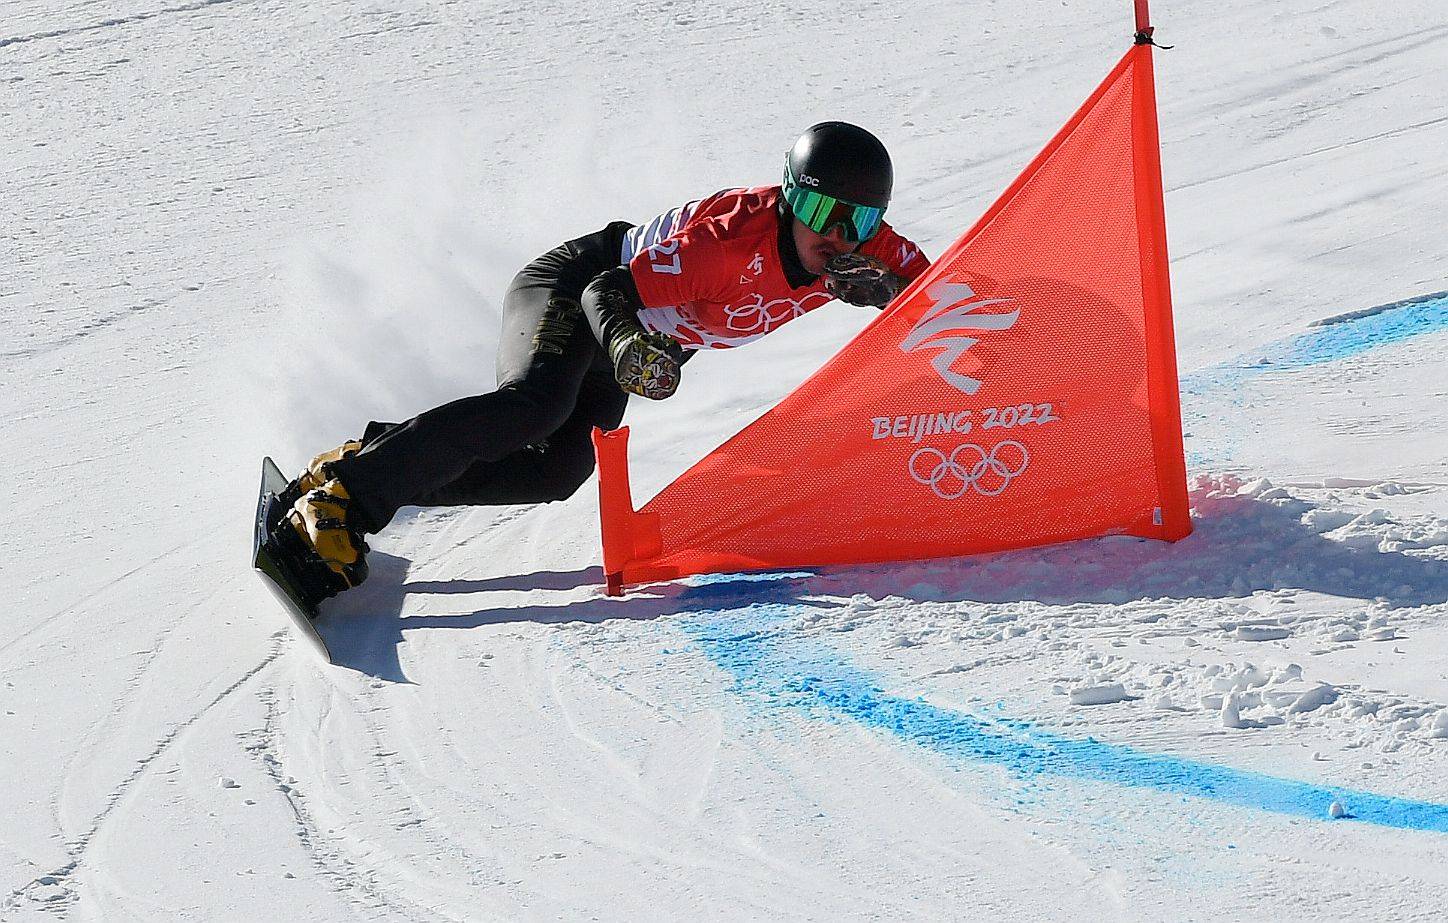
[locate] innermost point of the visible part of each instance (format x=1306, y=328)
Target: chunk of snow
x=1373, y=517
x=1439, y=729
x=1232, y=713
x=1313, y=699
x=1255, y=488
x=1324, y=520
x=1261, y=633
x=1282, y=697
x=1104, y=694
x=1363, y=541
x=1336, y=810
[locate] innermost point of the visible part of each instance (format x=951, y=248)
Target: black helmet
x=843, y=161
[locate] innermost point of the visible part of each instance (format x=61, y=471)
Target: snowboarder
x=614, y=313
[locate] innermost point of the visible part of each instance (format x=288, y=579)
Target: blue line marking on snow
x=760, y=648
x=1211, y=394
x=1330, y=340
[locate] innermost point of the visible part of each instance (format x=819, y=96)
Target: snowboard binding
x=307, y=571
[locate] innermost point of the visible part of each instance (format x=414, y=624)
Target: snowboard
x=275, y=567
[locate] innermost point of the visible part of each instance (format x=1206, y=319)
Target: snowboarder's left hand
x=647, y=364
x=861, y=280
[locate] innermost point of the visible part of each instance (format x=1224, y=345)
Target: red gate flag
x=1022, y=391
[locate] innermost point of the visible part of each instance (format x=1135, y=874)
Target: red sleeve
x=901, y=255
x=689, y=266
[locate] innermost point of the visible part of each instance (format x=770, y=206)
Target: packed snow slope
x=237, y=227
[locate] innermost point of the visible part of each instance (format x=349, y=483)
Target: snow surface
x=240, y=227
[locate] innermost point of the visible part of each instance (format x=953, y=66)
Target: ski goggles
x=820, y=212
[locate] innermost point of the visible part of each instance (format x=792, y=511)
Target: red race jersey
x=709, y=272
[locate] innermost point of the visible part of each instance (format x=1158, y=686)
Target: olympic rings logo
x=763, y=316
x=989, y=473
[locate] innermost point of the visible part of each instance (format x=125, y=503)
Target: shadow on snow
x=1241, y=545
x=743, y=622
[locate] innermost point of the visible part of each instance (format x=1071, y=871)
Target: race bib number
x=665, y=258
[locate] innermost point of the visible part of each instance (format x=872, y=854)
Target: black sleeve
x=611, y=302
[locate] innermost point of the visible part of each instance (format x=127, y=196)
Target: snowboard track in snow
x=360, y=887
x=46, y=623
x=60, y=900
x=111, y=23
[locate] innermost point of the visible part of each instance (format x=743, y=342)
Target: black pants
x=528, y=441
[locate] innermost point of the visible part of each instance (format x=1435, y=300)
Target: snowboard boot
x=316, y=474
x=319, y=519
x=646, y=364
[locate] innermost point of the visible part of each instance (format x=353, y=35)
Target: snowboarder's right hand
x=861, y=280
x=647, y=364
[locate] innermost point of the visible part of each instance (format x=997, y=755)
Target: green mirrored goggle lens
x=821, y=212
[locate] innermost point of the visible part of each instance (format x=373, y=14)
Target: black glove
x=861, y=280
